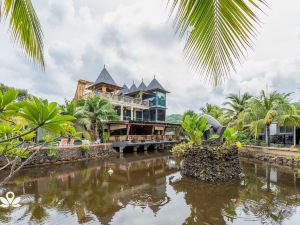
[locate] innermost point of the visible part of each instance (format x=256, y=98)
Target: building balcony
x=124, y=100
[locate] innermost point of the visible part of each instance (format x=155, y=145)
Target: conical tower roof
x=124, y=89
x=142, y=86
x=105, y=77
x=155, y=85
x=133, y=88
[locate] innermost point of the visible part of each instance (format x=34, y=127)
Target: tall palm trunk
x=268, y=135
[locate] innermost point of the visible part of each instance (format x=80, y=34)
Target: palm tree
x=236, y=104
x=25, y=27
x=218, y=32
x=215, y=111
x=75, y=109
x=98, y=110
x=267, y=109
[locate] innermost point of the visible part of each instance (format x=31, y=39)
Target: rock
x=212, y=162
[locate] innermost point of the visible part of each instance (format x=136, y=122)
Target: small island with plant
x=213, y=159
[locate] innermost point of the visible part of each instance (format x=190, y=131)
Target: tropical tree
x=219, y=33
x=25, y=27
x=267, y=109
x=195, y=126
x=19, y=124
x=236, y=105
x=214, y=111
x=98, y=110
x=188, y=112
x=76, y=110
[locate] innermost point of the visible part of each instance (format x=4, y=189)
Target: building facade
x=143, y=103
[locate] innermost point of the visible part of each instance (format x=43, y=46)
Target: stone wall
x=280, y=156
x=211, y=163
x=68, y=154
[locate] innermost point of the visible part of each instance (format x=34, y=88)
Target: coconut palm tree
x=77, y=111
x=98, y=110
x=24, y=26
x=267, y=109
x=215, y=111
x=218, y=32
x=235, y=106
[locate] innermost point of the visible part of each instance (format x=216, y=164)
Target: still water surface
x=149, y=190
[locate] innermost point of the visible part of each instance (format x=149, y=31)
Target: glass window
x=161, y=99
x=286, y=130
x=139, y=115
x=152, y=115
x=161, y=115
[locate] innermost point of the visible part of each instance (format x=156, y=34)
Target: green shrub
x=195, y=126
x=230, y=136
x=85, y=147
x=53, y=151
x=179, y=149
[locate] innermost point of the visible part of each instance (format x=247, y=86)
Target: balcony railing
x=121, y=98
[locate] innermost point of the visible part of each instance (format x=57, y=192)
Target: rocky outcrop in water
x=211, y=162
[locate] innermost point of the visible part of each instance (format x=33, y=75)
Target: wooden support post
x=131, y=113
x=121, y=114
x=146, y=148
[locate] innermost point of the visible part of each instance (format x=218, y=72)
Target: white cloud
x=135, y=40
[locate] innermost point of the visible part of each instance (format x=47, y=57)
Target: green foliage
x=98, y=110
x=85, y=147
x=180, y=148
x=195, y=126
x=219, y=33
x=174, y=118
x=214, y=111
x=188, y=112
x=20, y=121
x=24, y=26
x=53, y=151
x=230, y=136
x=22, y=93
x=105, y=136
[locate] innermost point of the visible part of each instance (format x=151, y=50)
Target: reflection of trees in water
x=270, y=203
x=208, y=201
x=93, y=193
x=258, y=197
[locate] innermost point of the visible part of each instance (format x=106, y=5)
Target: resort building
x=142, y=112
x=142, y=103
x=282, y=135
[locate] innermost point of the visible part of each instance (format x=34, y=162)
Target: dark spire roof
x=105, y=77
x=155, y=85
x=133, y=88
x=124, y=89
x=142, y=86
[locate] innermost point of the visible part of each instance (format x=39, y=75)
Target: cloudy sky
x=135, y=40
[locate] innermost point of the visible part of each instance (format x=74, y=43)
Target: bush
x=85, y=147
x=230, y=136
x=195, y=126
x=53, y=152
x=179, y=149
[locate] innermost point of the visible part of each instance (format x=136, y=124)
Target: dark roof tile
x=105, y=77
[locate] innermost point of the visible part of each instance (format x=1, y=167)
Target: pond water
x=149, y=189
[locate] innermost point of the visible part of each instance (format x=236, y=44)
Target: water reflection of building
x=89, y=191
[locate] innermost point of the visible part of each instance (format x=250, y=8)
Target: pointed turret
x=142, y=86
x=105, y=78
x=124, y=90
x=155, y=85
x=133, y=88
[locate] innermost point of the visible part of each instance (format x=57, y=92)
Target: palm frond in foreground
x=221, y=33
x=25, y=27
